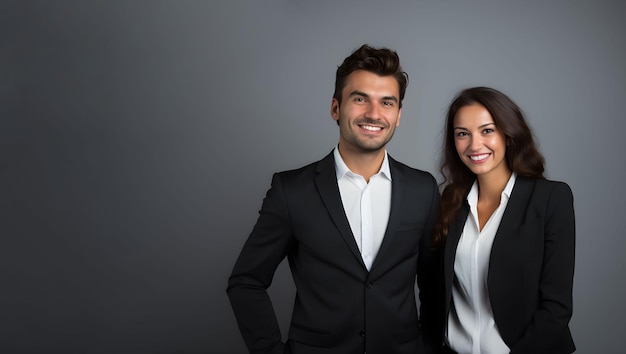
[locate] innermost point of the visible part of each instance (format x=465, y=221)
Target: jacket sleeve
x=550, y=322
x=254, y=270
x=428, y=275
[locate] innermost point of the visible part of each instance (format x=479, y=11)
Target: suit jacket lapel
x=514, y=214
x=326, y=182
x=452, y=240
x=398, y=187
x=513, y=217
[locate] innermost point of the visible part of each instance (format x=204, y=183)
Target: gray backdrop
x=139, y=138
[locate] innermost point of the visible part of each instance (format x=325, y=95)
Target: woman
x=507, y=234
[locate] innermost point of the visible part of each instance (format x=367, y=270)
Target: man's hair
x=381, y=61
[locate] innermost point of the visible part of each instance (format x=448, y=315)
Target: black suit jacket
x=339, y=306
x=531, y=268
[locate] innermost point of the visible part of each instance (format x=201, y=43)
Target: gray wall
x=139, y=138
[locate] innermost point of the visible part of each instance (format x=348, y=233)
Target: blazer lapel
x=513, y=217
x=515, y=212
x=452, y=240
x=398, y=187
x=326, y=183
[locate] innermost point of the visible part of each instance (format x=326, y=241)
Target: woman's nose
x=476, y=143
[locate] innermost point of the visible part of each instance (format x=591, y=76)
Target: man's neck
x=365, y=164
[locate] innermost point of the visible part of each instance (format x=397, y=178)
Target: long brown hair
x=522, y=155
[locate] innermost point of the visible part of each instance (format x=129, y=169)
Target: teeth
x=371, y=128
x=479, y=157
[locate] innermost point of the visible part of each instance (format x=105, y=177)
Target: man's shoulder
x=411, y=172
x=300, y=170
x=311, y=168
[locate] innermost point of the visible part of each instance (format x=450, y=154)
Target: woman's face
x=479, y=143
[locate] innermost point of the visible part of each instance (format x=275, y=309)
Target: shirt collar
x=509, y=185
x=472, y=196
x=342, y=169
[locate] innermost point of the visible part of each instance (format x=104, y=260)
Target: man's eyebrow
x=358, y=93
x=392, y=98
x=363, y=94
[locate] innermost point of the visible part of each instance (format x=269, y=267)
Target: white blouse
x=471, y=326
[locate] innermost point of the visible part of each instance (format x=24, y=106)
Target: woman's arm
x=548, y=331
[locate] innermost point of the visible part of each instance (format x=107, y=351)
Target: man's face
x=369, y=112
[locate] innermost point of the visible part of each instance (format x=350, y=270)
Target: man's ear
x=399, y=116
x=334, y=109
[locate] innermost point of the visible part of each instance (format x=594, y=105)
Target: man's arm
x=428, y=275
x=265, y=248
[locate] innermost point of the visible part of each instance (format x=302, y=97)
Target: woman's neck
x=491, y=186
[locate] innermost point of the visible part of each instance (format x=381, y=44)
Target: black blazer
x=531, y=268
x=339, y=306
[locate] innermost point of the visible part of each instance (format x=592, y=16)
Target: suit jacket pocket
x=410, y=226
x=312, y=338
x=407, y=334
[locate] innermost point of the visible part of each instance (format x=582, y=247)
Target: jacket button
x=370, y=285
x=362, y=333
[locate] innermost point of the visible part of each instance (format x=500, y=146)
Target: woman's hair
x=381, y=61
x=522, y=155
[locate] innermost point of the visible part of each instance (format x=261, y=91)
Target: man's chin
x=372, y=148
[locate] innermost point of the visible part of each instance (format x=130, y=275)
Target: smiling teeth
x=369, y=127
x=479, y=157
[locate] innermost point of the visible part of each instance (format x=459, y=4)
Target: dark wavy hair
x=522, y=155
x=381, y=61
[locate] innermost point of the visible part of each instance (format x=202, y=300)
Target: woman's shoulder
x=545, y=188
x=544, y=183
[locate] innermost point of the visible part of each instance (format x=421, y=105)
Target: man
x=355, y=227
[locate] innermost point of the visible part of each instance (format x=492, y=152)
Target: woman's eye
x=488, y=130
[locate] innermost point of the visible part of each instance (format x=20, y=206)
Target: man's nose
x=373, y=110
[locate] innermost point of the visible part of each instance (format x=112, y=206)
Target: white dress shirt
x=471, y=325
x=367, y=205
